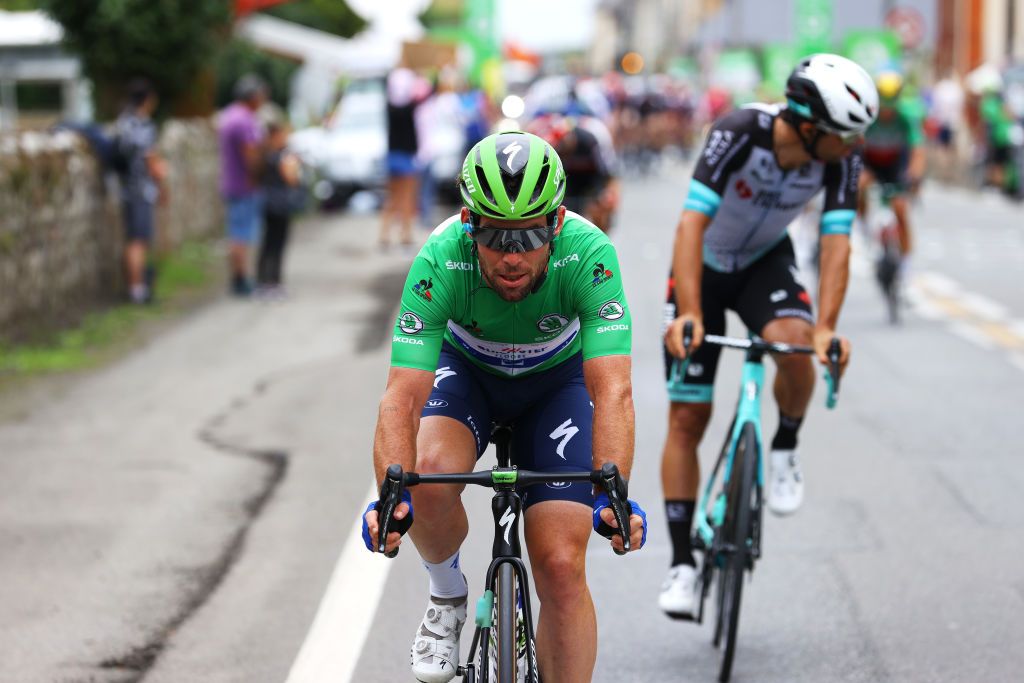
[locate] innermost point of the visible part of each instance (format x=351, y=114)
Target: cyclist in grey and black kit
x=760, y=165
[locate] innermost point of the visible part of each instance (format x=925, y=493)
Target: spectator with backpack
x=141, y=171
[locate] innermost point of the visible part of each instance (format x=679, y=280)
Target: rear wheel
x=736, y=538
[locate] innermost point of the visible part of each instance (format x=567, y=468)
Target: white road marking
x=972, y=334
x=984, y=308
x=336, y=638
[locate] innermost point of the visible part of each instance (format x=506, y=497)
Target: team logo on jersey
x=422, y=289
x=718, y=144
x=611, y=310
x=743, y=190
x=437, y=403
x=601, y=274
x=777, y=296
x=552, y=322
x=410, y=323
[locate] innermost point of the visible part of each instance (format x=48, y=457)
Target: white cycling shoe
x=435, y=651
x=677, y=598
x=786, y=488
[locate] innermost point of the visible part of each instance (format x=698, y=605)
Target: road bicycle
x=502, y=650
x=729, y=514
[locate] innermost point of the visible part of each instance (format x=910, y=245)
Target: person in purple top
x=241, y=138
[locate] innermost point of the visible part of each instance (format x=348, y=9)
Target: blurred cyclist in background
x=588, y=157
x=894, y=153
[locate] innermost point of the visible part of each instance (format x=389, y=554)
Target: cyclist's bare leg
x=794, y=381
x=901, y=208
x=680, y=469
x=557, y=533
x=440, y=525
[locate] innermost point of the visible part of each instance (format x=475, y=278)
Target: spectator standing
x=241, y=138
x=405, y=91
x=947, y=112
x=438, y=124
x=141, y=171
x=281, y=184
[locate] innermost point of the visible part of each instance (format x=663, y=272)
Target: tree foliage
x=20, y=5
x=333, y=16
x=169, y=42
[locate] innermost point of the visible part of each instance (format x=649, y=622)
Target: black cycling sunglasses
x=513, y=240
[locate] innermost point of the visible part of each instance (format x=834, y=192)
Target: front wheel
x=502, y=659
x=737, y=543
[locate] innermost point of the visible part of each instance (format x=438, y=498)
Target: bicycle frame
x=748, y=410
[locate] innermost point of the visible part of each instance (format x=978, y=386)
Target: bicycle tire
x=506, y=600
x=742, y=491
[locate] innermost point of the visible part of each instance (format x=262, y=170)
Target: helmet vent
x=485, y=187
x=512, y=184
x=542, y=181
x=854, y=94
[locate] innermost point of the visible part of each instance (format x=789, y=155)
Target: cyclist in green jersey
x=513, y=311
x=894, y=153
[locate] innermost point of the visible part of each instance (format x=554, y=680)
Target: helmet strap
x=809, y=145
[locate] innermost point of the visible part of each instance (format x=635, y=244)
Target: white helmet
x=834, y=92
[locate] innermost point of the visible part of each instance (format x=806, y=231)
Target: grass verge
x=182, y=276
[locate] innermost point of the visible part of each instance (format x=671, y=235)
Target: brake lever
x=618, y=500
x=390, y=497
x=832, y=378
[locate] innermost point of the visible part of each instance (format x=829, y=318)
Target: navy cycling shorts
x=550, y=412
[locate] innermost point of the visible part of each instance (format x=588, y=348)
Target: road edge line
x=332, y=647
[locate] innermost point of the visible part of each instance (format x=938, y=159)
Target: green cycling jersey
x=898, y=126
x=580, y=306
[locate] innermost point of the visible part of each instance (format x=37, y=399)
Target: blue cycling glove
x=399, y=525
x=607, y=530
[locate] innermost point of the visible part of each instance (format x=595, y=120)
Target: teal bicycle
x=729, y=514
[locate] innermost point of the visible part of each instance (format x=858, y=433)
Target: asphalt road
x=187, y=514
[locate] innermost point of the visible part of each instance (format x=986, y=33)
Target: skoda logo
x=437, y=403
x=410, y=323
x=611, y=310
x=552, y=323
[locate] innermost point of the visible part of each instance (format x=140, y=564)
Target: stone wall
x=60, y=223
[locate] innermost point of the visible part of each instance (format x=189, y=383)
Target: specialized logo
x=410, y=323
x=510, y=153
x=458, y=265
x=407, y=340
x=506, y=521
x=601, y=274
x=778, y=295
x=565, y=432
x=437, y=403
x=443, y=373
x=561, y=262
x=611, y=310
x=620, y=327
x=743, y=190
x=552, y=322
x=422, y=289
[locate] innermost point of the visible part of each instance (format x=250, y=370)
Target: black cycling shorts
x=550, y=413
x=764, y=291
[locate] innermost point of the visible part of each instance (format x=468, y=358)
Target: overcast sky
x=547, y=24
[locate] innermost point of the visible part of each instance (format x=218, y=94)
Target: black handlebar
x=395, y=480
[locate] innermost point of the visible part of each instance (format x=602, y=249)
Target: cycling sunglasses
x=513, y=240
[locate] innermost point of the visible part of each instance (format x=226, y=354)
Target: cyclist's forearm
x=614, y=431
x=835, y=274
x=395, y=439
x=398, y=419
x=687, y=261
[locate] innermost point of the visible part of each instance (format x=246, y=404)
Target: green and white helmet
x=512, y=176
